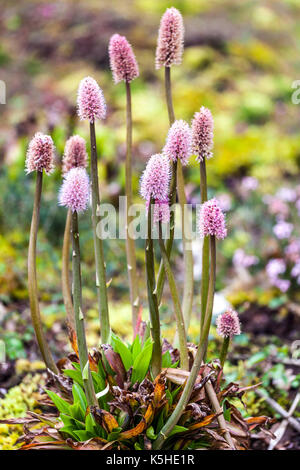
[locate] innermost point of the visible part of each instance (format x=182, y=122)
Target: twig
x=278, y=408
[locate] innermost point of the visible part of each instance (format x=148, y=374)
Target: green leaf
x=79, y=396
x=62, y=405
x=113, y=436
x=77, y=412
x=177, y=429
x=85, y=372
x=123, y=350
x=75, y=375
x=136, y=347
x=141, y=364
x=69, y=430
x=83, y=435
x=257, y=357
x=90, y=423
x=166, y=360
x=71, y=422
x=151, y=434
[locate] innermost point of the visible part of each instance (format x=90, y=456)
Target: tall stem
x=79, y=318
x=65, y=276
x=184, y=361
x=224, y=350
x=130, y=244
x=32, y=281
x=185, y=396
x=187, y=301
x=152, y=298
x=169, y=242
x=172, y=195
x=205, y=249
x=99, y=257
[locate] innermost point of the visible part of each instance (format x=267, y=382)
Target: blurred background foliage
x=240, y=60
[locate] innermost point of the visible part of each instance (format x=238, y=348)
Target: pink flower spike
x=203, y=133
x=211, y=220
x=228, y=324
x=75, y=153
x=40, y=154
x=170, y=39
x=123, y=63
x=156, y=178
x=179, y=142
x=75, y=190
x=90, y=100
x=161, y=212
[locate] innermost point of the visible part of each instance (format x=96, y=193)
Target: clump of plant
x=147, y=394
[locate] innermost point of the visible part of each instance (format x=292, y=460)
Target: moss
x=16, y=403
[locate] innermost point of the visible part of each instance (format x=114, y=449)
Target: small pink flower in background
x=283, y=230
x=292, y=250
x=40, y=154
x=90, y=100
x=203, y=133
x=287, y=194
x=296, y=270
x=75, y=153
x=228, y=324
x=123, y=63
x=75, y=190
x=156, y=179
x=179, y=142
x=276, y=206
x=170, y=39
x=249, y=183
x=240, y=258
x=282, y=284
x=275, y=267
x=298, y=206
x=224, y=201
x=211, y=220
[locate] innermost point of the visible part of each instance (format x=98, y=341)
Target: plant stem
x=184, y=360
x=152, y=298
x=79, y=319
x=169, y=243
x=205, y=249
x=99, y=257
x=32, y=281
x=224, y=350
x=218, y=410
x=172, y=195
x=187, y=301
x=168, y=91
x=65, y=277
x=130, y=243
x=185, y=396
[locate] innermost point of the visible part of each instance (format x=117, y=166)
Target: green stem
x=168, y=91
x=187, y=301
x=98, y=246
x=224, y=350
x=172, y=195
x=130, y=244
x=65, y=277
x=152, y=298
x=79, y=318
x=32, y=281
x=205, y=249
x=184, y=360
x=185, y=396
x=169, y=243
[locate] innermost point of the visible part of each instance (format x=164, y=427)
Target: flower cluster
x=122, y=59
x=90, y=100
x=202, y=131
x=275, y=268
x=156, y=178
x=170, y=39
x=228, y=324
x=179, y=142
x=75, y=154
x=75, y=190
x=40, y=154
x=211, y=220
